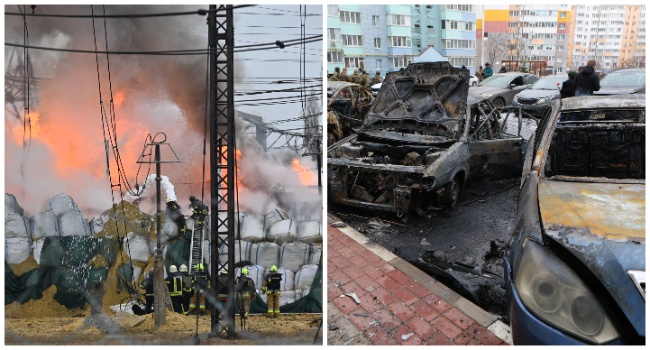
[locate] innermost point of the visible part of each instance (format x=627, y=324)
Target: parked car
x=623, y=81
x=347, y=105
x=501, y=88
x=421, y=142
x=575, y=265
x=375, y=89
x=536, y=100
x=473, y=80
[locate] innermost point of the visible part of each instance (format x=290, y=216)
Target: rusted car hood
x=421, y=96
x=603, y=225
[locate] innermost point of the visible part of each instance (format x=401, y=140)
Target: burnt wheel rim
x=453, y=193
x=499, y=103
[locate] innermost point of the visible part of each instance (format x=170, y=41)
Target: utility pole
x=159, y=286
x=222, y=163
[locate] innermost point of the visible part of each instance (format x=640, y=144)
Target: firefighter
x=222, y=291
x=271, y=286
x=201, y=286
x=147, y=285
x=187, y=288
x=174, y=282
x=173, y=211
x=245, y=288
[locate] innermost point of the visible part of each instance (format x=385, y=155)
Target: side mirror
x=512, y=86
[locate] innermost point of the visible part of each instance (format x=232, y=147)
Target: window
x=380, y=64
x=375, y=21
x=562, y=26
x=377, y=43
x=453, y=25
x=443, y=24
x=560, y=37
x=351, y=40
x=400, y=41
x=562, y=14
x=333, y=10
x=333, y=33
x=401, y=62
x=462, y=61
x=560, y=48
x=559, y=60
x=460, y=44
x=469, y=26
x=350, y=17
x=334, y=56
x=463, y=8
x=353, y=62
x=400, y=20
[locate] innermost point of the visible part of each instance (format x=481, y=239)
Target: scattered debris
x=481, y=200
x=360, y=314
x=377, y=224
x=439, y=254
x=339, y=224
x=354, y=297
x=351, y=339
x=333, y=328
x=406, y=336
x=424, y=242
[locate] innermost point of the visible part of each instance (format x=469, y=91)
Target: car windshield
x=550, y=82
x=497, y=81
x=623, y=79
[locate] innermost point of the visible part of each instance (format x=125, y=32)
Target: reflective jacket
x=272, y=281
x=174, y=283
x=244, y=286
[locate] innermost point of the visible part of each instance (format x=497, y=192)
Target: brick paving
x=394, y=309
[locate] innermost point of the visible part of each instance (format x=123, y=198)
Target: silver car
x=536, y=100
x=502, y=88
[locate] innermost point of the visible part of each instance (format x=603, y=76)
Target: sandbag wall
x=275, y=239
x=57, y=247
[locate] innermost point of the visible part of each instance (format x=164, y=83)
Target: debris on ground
x=354, y=297
x=406, y=336
x=339, y=224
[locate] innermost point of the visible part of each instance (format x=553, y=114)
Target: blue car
x=575, y=265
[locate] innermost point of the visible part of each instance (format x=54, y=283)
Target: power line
x=153, y=53
x=200, y=12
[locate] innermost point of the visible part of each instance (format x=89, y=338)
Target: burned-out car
x=575, y=265
x=347, y=105
x=421, y=142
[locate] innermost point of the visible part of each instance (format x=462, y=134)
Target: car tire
x=499, y=102
x=452, y=193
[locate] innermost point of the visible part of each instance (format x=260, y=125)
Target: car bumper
x=528, y=329
x=535, y=110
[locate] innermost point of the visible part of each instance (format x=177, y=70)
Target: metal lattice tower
x=222, y=161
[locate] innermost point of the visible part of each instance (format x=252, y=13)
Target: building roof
x=430, y=54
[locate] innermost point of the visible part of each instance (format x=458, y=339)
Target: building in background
x=613, y=35
x=542, y=39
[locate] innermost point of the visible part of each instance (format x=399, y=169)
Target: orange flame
x=307, y=177
x=119, y=98
x=33, y=124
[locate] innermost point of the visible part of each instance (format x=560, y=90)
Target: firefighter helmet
x=273, y=268
x=183, y=268
x=199, y=267
x=173, y=269
x=244, y=271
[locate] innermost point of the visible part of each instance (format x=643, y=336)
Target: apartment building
x=372, y=37
x=613, y=35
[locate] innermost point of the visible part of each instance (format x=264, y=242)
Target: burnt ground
x=459, y=247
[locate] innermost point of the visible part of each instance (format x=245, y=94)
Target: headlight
x=542, y=101
x=553, y=292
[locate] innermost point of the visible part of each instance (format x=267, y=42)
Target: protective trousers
x=198, y=299
x=273, y=297
x=245, y=303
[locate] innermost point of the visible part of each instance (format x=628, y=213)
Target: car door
x=494, y=154
x=520, y=85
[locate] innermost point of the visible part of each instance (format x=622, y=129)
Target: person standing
x=503, y=69
x=587, y=81
x=377, y=78
x=271, y=286
x=479, y=73
x=187, y=288
x=201, y=287
x=568, y=89
x=487, y=72
x=245, y=288
x=174, y=283
x=336, y=75
x=344, y=75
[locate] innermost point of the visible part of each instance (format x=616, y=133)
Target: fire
x=119, y=98
x=33, y=124
x=307, y=177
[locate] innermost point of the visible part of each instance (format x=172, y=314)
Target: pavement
x=398, y=303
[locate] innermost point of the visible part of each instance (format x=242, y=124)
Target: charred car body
x=421, y=141
x=575, y=265
x=347, y=104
